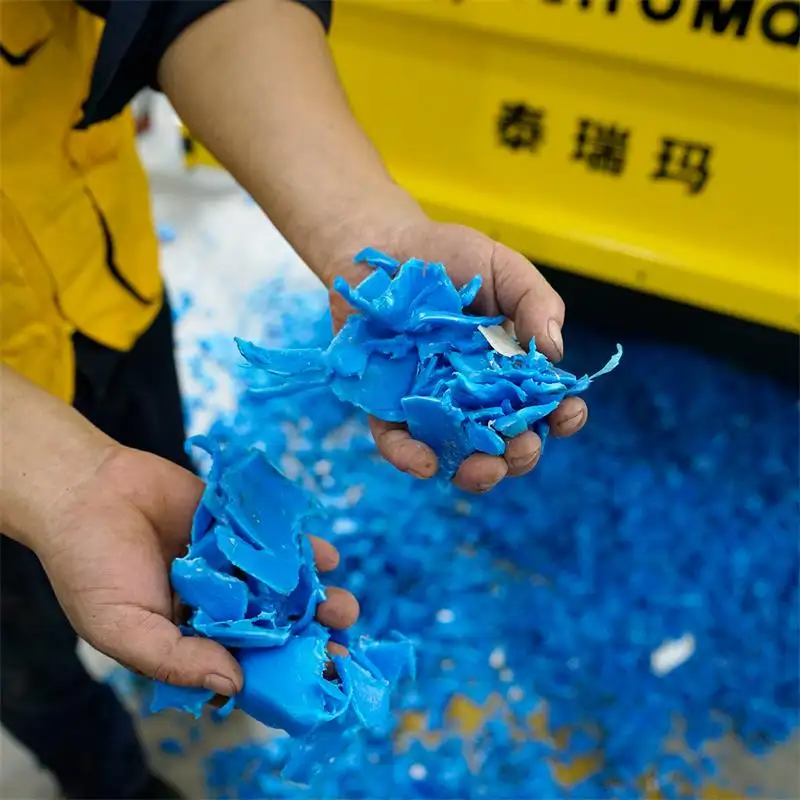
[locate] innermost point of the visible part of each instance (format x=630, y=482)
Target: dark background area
x=628, y=314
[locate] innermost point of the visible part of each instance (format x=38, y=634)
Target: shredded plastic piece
x=500, y=340
x=671, y=654
x=676, y=511
x=250, y=580
x=172, y=747
x=412, y=355
x=166, y=233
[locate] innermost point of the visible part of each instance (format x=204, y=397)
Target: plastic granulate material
x=166, y=233
x=250, y=581
x=171, y=747
x=411, y=354
x=669, y=655
x=674, y=512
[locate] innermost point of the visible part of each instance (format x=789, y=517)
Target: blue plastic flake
x=249, y=579
x=675, y=512
x=373, y=257
x=412, y=355
x=166, y=233
x=172, y=747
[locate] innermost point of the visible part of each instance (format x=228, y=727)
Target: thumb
x=154, y=647
x=525, y=296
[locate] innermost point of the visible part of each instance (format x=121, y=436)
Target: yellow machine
x=647, y=143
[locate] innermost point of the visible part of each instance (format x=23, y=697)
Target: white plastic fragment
x=445, y=616
x=353, y=494
x=506, y=675
x=291, y=466
x=343, y=526
x=323, y=467
x=671, y=653
x=462, y=507
x=515, y=694
x=500, y=341
x=417, y=772
x=497, y=658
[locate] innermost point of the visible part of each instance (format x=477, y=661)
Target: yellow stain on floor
x=468, y=718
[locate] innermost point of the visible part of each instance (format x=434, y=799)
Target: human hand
x=108, y=549
x=512, y=286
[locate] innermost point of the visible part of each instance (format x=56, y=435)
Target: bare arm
x=255, y=81
x=47, y=449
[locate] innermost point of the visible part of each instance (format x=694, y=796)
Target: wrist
x=48, y=450
x=71, y=487
x=43, y=509
x=379, y=221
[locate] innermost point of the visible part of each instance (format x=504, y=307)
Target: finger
x=340, y=610
x=336, y=649
x=326, y=556
x=524, y=295
x=218, y=701
x=152, y=645
x=340, y=310
x=330, y=673
x=480, y=472
x=522, y=453
x=178, y=498
x=569, y=417
x=180, y=611
x=406, y=454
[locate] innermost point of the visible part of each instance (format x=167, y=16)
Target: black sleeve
x=136, y=36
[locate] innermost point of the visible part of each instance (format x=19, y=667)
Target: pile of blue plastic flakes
x=641, y=586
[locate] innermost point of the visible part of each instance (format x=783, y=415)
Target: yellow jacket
x=78, y=249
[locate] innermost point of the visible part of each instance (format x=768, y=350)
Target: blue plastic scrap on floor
x=672, y=518
x=251, y=583
x=411, y=354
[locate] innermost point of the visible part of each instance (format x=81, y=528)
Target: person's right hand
x=108, y=547
x=512, y=287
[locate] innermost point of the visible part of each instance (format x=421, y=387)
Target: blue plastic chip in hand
x=250, y=581
x=411, y=354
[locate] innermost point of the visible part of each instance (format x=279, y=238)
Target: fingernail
x=422, y=471
x=219, y=684
x=485, y=487
x=575, y=421
x=554, y=332
x=523, y=461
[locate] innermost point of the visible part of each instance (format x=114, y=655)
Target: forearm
x=46, y=449
x=254, y=80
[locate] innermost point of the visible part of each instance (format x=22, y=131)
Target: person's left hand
x=511, y=286
x=107, y=550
